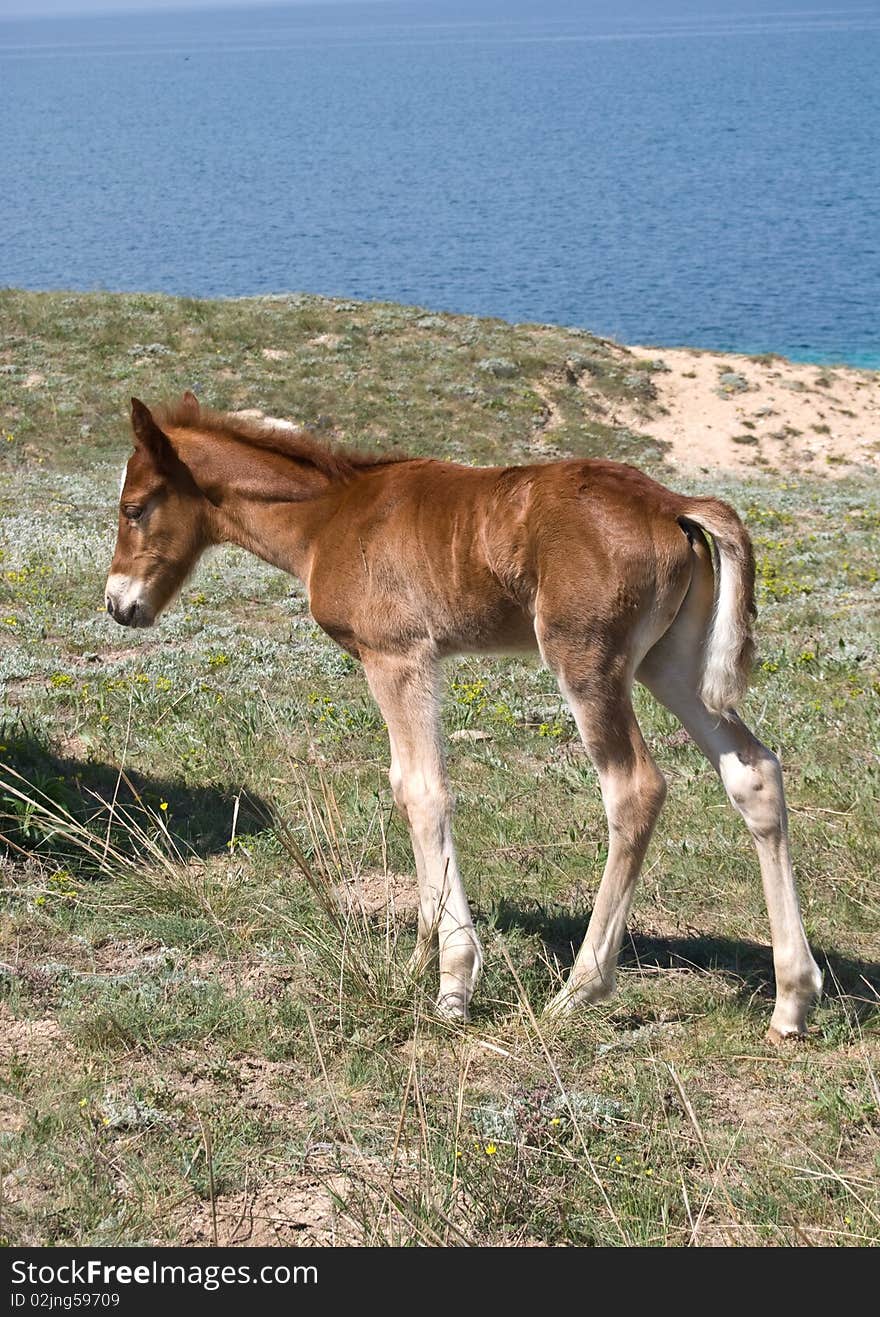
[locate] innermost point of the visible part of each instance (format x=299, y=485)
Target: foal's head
x=164, y=524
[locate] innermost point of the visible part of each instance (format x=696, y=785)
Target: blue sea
x=669, y=172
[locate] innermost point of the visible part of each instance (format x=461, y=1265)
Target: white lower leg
x=459, y=948
x=753, y=779
x=425, y=951
x=426, y=936
x=406, y=690
x=633, y=802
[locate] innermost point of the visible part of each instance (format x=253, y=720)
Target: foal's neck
x=279, y=530
x=267, y=502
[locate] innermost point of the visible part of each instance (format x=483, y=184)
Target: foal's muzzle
x=133, y=614
x=126, y=604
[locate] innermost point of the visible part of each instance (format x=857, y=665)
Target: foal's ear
x=152, y=441
x=189, y=407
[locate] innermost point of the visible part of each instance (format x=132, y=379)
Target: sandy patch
x=319, y=1203
x=742, y=413
x=37, y=1043
x=302, y=1211
x=371, y=894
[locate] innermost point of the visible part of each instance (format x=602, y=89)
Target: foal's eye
x=132, y=511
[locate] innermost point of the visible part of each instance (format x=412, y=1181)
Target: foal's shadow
x=197, y=820
x=748, y=964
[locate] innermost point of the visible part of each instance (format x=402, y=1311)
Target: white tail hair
x=729, y=649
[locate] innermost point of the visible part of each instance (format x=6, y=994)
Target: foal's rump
x=617, y=558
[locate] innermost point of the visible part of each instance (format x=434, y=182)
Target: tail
x=730, y=646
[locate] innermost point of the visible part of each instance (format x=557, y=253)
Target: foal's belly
x=513, y=634
x=389, y=625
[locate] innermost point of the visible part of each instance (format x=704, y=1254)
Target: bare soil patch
x=745, y=413
x=373, y=894
x=35, y=1043
x=289, y=1211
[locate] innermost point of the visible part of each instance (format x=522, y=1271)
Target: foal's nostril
x=124, y=616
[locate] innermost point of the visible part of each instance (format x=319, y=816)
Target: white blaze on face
x=125, y=599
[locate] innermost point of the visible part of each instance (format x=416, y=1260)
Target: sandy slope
x=742, y=413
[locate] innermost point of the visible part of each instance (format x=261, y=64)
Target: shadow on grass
x=749, y=963
x=198, y=820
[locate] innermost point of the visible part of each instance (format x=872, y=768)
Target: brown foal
x=611, y=576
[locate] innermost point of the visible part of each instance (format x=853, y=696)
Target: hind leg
x=752, y=777
x=633, y=791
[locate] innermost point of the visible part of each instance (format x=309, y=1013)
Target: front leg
x=406, y=691
x=426, y=950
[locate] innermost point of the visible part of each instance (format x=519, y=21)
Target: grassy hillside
x=205, y=1026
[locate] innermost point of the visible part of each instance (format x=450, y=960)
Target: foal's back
x=464, y=557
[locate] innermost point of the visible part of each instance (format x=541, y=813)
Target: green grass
x=199, y=966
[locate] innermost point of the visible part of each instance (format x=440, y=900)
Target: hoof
x=780, y=1039
x=453, y=1006
x=572, y=996
x=562, y=1004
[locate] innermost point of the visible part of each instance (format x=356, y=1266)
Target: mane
x=274, y=436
